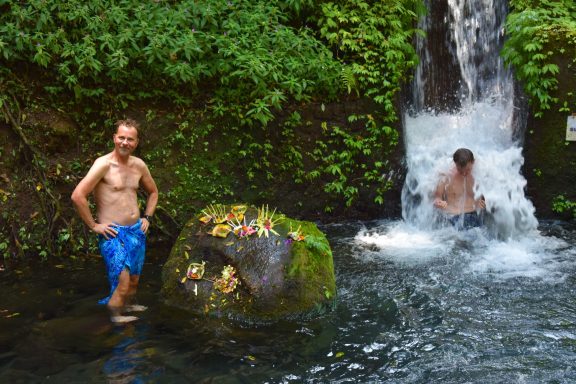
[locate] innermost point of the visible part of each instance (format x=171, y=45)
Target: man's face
x=126, y=140
x=465, y=170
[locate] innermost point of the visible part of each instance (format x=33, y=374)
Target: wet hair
x=129, y=123
x=463, y=156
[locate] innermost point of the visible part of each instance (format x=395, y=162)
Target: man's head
x=126, y=136
x=464, y=160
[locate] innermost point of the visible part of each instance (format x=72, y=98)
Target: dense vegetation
x=225, y=86
x=234, y=76
x=539, y=32
x=541, y=46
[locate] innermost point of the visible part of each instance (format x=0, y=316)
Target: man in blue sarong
x=114, y=180
x=454, y=194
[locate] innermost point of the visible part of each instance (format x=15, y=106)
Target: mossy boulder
x=280, y=275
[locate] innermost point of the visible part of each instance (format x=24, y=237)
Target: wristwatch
x=148, y=217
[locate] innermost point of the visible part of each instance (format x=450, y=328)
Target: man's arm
x=480, y=203
x=80, y=197
x=439, y=201
x=149, y=186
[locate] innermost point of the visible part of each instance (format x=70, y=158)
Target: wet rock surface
x=277, y=276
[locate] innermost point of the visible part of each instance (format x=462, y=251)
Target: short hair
x=129, y=123
x=463, y=156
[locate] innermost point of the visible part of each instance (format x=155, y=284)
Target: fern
x=349, y=80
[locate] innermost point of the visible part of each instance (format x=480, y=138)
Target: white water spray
x=483, y=122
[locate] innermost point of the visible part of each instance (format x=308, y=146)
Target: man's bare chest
x=460, y=186
x=122, y=178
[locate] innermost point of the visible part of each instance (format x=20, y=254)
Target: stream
x=413, y=306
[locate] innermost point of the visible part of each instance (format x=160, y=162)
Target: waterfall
x=463, y=96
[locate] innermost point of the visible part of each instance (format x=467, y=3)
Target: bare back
x=116, y=192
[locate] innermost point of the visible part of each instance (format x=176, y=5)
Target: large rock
x=280, y=276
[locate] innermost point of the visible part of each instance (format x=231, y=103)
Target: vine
x=373, y=40
x=49, y=201
x=540, y=31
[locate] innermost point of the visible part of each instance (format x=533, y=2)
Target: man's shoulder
x=136, y=161
x=103, y=161
x=444, y=177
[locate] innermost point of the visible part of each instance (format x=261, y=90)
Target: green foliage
x=297, y=6
x=537, y=172
x=318, y=244
x=241, y=52
x=345, y=153
x=375, y=39
x=538, y=32
x=561, y=204
x=238, y=64
x=4, y=249
x=190, y=164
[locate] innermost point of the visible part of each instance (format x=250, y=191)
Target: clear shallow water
x=413, y=307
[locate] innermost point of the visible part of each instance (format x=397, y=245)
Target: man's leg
x=134, y=279
x=119, y=297
x=131, y=307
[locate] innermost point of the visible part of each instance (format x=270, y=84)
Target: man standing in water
x=455, y=192
x=114, y=180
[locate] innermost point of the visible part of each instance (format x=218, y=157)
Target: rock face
x=56, y=131
x=550, y=166
x=279, y=275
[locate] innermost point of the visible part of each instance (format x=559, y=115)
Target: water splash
x=484, y=121
x=471, y=254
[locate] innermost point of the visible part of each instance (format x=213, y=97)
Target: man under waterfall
x=454, y=194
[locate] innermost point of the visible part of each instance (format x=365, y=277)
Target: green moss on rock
x=279, y=277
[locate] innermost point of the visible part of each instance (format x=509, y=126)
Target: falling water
x=463, y=96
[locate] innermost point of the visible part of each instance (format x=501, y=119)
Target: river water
x=417, y=302
x=413, y=307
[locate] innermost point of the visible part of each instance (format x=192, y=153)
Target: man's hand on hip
x=106, y=230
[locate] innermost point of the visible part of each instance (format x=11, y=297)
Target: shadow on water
x=439, y=308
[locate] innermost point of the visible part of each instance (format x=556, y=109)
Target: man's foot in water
x=123, y=319
x=135, y=308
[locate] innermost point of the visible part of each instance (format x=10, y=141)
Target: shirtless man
x=454, y=194
x=114, y=180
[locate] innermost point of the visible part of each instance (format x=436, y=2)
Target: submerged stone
x=285, y=272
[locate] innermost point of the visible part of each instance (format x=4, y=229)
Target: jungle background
x=296, y=104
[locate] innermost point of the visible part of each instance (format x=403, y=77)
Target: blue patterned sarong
x=126, y=250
